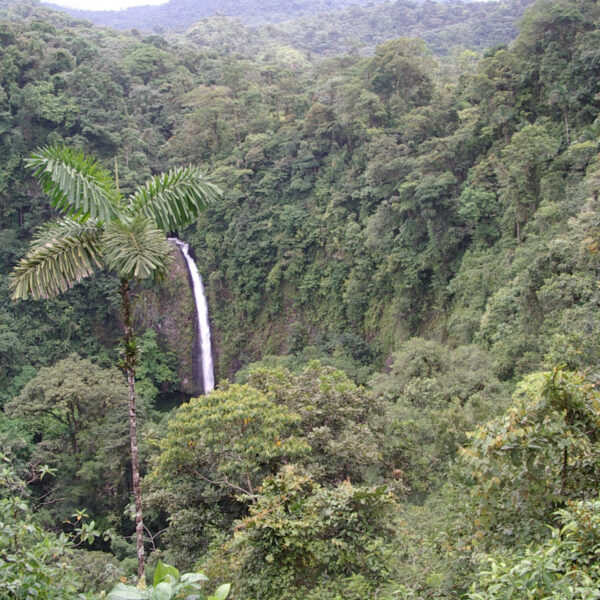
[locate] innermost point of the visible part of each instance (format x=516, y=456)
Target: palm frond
x=175, y=199
x=76, y=184
x=62, y=253
x=136, y=249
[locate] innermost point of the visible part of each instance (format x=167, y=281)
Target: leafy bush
x=563, y=568
x=301, y=539
x=542, y=453
x=216, y=452
x=33, y=563
x=168, y=584
x=335, y=419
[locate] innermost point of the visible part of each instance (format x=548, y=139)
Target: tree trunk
x=129, y=364
x=563, y=487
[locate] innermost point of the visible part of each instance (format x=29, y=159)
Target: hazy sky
x=104, y=4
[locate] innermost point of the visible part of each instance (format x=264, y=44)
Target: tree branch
x=225, y=482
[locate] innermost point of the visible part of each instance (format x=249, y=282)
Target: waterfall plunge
x=208, y=377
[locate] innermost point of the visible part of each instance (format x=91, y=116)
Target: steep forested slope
x=376, y=184
x=390, y=190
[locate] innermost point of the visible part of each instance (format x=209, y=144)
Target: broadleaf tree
x=102, y=229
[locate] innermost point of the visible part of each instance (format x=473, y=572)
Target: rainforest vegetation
x=402, y=275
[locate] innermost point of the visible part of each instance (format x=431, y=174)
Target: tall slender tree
x=561, y=97
x=101, y=228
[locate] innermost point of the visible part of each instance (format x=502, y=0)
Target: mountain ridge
x=359, y=27
x=178, y=15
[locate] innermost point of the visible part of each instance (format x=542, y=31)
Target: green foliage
x=41, y=98
x=156, y=364
x=564, y=567
x=132, y=244
x=428, y=564
x=372, y=199
x=326, y=27
x=147, y=61
x=433, y=397
x=167, y=584
x=479, y=207
x=75, y=183
x=219, y=448
x=175, y=198
x=33, y=563
x=237, y=433
x=102, y=570
x=136, y=249
x=541, y=454
x=214, y=456
x=520, y=169
x=304, y=540
x=129, y=235
x=399, y=68
x=63, y=252
x=335, y=418
x=76, y=412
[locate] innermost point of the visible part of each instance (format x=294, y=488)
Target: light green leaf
x=127, y=592
x=193, y=578
x=163, y=591
x=136, y=249
x=222, y=591
x=163, y=572
x=62, y=253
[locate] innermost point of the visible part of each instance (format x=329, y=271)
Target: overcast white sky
x=104, y=4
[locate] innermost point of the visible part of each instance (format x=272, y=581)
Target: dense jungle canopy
x=402, y=277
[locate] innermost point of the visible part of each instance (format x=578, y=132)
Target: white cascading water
x=208, y=376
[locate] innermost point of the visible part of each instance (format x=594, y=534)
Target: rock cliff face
x=169, y=309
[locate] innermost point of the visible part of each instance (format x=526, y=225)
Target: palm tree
x=103, y=229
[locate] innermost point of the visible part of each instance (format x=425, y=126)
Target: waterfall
x=205, y=353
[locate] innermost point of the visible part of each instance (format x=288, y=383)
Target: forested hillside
x=252, y=29
x=402, y=276
x=180, y=14
x=443, y=25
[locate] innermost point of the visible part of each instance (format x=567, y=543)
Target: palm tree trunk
x=129, y=364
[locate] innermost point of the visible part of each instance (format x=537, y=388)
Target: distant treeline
x=324, y=28
x=180, y=14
